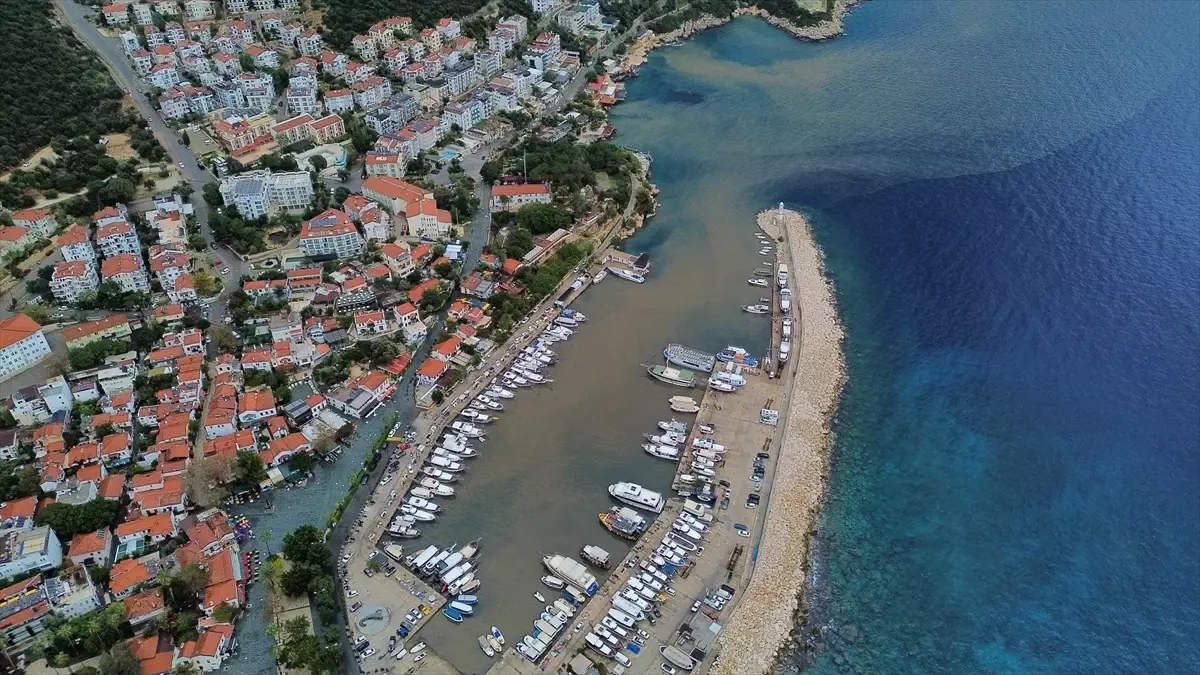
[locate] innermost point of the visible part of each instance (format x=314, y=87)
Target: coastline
x=762, y=622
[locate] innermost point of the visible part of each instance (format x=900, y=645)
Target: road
x=109, y=49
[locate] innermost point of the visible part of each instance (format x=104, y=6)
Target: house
x=14, y=238
x=373, y=322
x=208, y=652
x=23, y=607
x=71, y=280
x=257, y=405
x=431, y=370
x=113, y=326
x=92, y=547
x=446, y=349
x=24, y=551
x=339, y=100
x=157, y=528
x=280, y=450
x=424, y=219
x=116, y=14
x=144, y=606
x=328, y=128
x=330, y=235
x=126, y=270
x=116, y=236
x=513, y=197
x=39, y=221
x=22, y=344
x=18, y=514
x=292, y=130
x=393, y=194
x=128, y=574
x=310, y=43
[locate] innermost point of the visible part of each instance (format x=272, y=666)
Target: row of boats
x=762, y=277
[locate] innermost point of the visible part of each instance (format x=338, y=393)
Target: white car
x=620, y=658
x=352, y=592
x=370, y=652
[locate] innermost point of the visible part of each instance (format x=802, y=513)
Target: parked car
x=695, y=607
x=356, y=606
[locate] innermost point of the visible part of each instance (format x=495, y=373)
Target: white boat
x=707, y=444
x=527, y=652
x=422, y=492
x=682, y=543
x=572, y=571
x=545, y=629
x=674, y=426
x=467, y=429
x=565, y=321
x=462, y=608
x=564, y=607
x=394, y=551
x=446, y=454
x=470, y=550
x=637, y=496
x=437, y=488
x=423, y=504
x=598, y=556
x=539, y=597
x=600, y=276
x=462, y=583
x=561, y=330
x=576, y=315
x=721, y=385
x=705, y=428
x=428, y=567
x=448, y=563
x=677, y=657
x=756, y=309
x=495, y=644
x=628, y=275
x=756, y=281
x=683, y=404
x=499, y=392
x=498, y=635
x=533, y=377
x=668, y=438
x=417, y=560
x=514, y=380
x=456, y=573
x=475, y=416
x=438, y=474
x=736, y=379
x=486, y=646
x=553, y=582
x=477, y=405
x=667, y=452
x=489, y=403
x=446, y=464
x=765, y=251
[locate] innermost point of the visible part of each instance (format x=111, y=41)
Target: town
x=354, y=213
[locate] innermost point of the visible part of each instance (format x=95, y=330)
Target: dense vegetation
x=93, y=353
x=68, y=520
x=573, y=166
x=50, y=85
x=346, y=18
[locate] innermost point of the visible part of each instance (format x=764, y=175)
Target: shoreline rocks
x=763, y=620
x=824, y=30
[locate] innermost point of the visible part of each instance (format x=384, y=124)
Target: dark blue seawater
x=1008, y=195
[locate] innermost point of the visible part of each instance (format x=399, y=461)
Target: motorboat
x=572, y=571
x=641, y=589
x=498, y=635
x=454, y=616
x=707, y=444
x=721, y=385
x=455, y=574
x=565, y=321
x=539, y=597
x=485, y=646
x=757, y=309
x=626, y=528
x=437, y=488
x=736, y=379
x=763, y=273
x=422, y=492
x=578, y=316
x=564, y=607
x=448, y=563
x=764, y=251
x=667, y=452
x=545, y=627
x=475, y=416
x=418, y=514
x=428, y=567
x=673, y=425
x=462, y=584
x=705, y=428
x=514, y=380
x=534, y=377
x=597, y=556
x=532, y=642
x=470, y=550
x=495, y=644
x=759, y=281
x=477, y=405
x=628, y=275
x=466, y=429
x=667, y=438
x=438, y=474
x=462, y=608
x=600, y=276
x=637, y=496
x=682, y=543
x=561, y=330
x=686, y=357
x=499, y=392
x=677, y=657
x=683, y=404
x=418, y=560
x=446, y=454
x=446, y=464
x=676, y=376
x=553, y=582
x=423, y=504
x=528, y=653
x=489, y=403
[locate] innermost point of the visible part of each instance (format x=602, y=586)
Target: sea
x=1008, y=196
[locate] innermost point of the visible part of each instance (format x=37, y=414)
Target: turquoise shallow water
x=1007, y=196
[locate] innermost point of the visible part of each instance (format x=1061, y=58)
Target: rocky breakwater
x=763, y=618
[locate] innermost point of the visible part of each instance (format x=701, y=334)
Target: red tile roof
x=17, y=328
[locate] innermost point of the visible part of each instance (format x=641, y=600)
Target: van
x=620, y=658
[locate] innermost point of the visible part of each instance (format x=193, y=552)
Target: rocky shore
x=821, y=31
x=764, y=617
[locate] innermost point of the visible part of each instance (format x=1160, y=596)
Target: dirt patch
x=119, y=147
x=43, y=154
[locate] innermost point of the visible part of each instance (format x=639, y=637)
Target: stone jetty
x=761, y=623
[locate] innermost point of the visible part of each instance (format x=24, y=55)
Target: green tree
x=246, y=62
x=302, y=462
x=68, y=520
x=185, y=139
x=318, y=163
x=249, y=467
x=543, y=218
x=212, y=195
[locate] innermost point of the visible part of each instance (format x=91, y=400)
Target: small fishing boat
x=539, y=597
x=673, y=425
x=667, y=438
x=757, y=281
x=467, y=599
x=454, y=616
x=737, y=355
x=487, y=648
x=499, y=392
x=676, y=376
x=756, y=309
x=763, y=273
x=470, y=586
x=470, y=549
x=667, y=452
x=462, y=608
x=683, y=404
x=553, y=582
x=721, y=385
x=579, y=317
x=498, y=635
x=495, y=644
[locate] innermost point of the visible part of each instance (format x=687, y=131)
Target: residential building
x=462, y=78
x=24, y=551
x=116, y=14
x=113, y=326
x=330, y=235
x=228, y=95
x=38, y=221
x=310, y=43
x=393, y=194
x=333, y=63
x=424, y=219
x=339, y=100
x=126, y=270
x=542, y=6
x=200, y=9
x=302, y=100
x=73, y=279
x=117, y=237
x=364, y=45
x=448, y=28
x=92, y=547
x=327, y=129
x=263, y=56
x=241, y=135
x=502, y=40
x=292, y=130
x=385, y=164
x=372, y=91
x=290, y=190
x=513, y=197
x=22, y=344
x=163, y=76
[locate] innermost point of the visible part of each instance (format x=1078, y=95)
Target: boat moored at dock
x=684, y=404
x=637, y=496
x=628, y=275
x=676, y=376
x=667, y=452
x=756, y=309
x=686, y=357
x=597, y=556
x=572, y=571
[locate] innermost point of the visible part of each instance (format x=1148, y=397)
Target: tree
x=249, y=467
x=222, y=338
x=246, y=62
x=543, y=218
x=491, y=171
x=518, y=243
x=7, y=421
x=121, y=661
x=185, y=139
x=195, y=578
x=212, y=195
x=302, y=462
x=318, y=163
x=444, y=270
x=68, y=520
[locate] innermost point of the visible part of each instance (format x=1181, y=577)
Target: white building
x=330, y=234
x=248, y=192
x=117, y=237
x=302, y=100
x=75, y=245
x=126, y=270
x=72, y=280
x=22, y=344
x=290, y=190
x=36, y=549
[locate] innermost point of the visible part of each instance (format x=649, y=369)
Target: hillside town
x=184, y=353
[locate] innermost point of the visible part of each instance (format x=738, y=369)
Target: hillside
x=50, y=84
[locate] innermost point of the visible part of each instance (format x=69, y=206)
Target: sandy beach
x=764, y=617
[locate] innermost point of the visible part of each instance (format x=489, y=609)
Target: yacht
x=600, y=276
x=627, y=275
x=533, y=377
x=438, y=474
x=420, y=492
x=666, y=452
x=637, y=496
x=667, y=438
x=759, y=281
x=757, y=309
x=447, y=464
x=567, y=321
x=437, y=488
x=721, y=385
x=513, y=380
x=489, y=402
x=499, y=392
x=577, y=316
x=466, y=429
x=475, y=416
x=673, y=425
x=447, y=455
x=737, y=354
x=422, y=504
